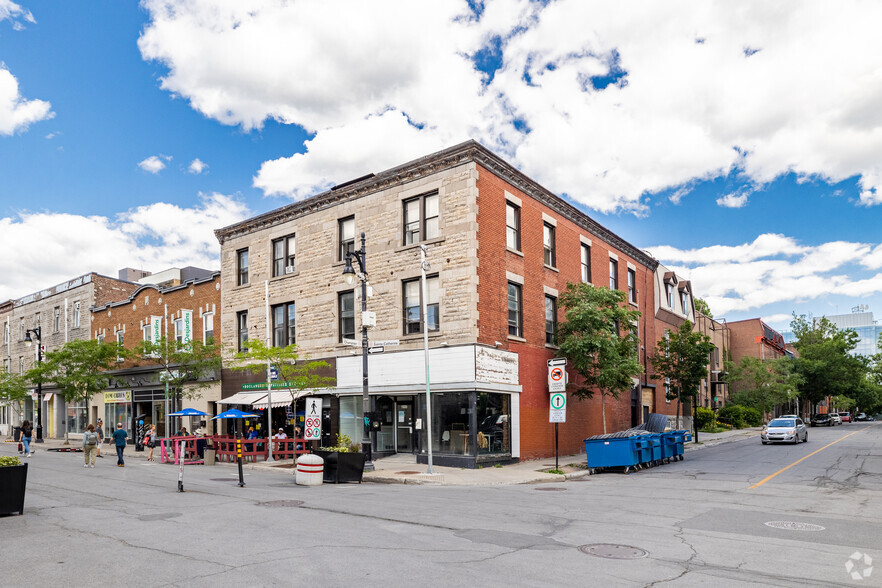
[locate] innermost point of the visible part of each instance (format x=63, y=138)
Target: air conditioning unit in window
x=289, y=269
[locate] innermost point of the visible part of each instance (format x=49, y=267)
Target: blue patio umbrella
x=234, y=413
x=187, y=412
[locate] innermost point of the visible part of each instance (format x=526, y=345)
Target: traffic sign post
x=557, y=374
x=557, y=413
x=312, y=430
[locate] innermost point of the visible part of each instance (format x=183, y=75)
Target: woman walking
x=26, y=434
x=90, y=446
x=150, y=441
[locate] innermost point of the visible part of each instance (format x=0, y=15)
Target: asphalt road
x=700, y=522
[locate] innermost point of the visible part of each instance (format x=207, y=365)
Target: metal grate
x=613, y=551
x=794, y=526
x=282, y=503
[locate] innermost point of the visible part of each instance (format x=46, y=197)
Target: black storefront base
x=466, y=461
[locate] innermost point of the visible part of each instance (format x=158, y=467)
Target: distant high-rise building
x=861, y=321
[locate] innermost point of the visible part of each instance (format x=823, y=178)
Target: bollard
x=310, y=470
x=181, y=468
x=239, y=461
x=209, y=456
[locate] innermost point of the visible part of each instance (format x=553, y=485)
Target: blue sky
x=740, y=147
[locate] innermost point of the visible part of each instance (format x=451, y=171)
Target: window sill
x=634, y=304
x=554, y=269
x=242, y=286
x=419, y=336
x=434, y=241
x=551, y=346
x=516, y=338
x=515, y=251
x=283, y=276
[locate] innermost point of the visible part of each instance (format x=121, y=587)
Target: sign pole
x=181, y=466
x=556, y=465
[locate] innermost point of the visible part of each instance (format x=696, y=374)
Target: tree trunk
x=603, y=410
x=679, y=410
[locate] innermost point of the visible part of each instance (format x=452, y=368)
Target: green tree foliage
x=824, y=363
x=682, y=357
x=732, y=414
x=188, y=368
x=295, y=373
x=705, y=418
x=597, y=339
x=762, y=385
x=13, y=388
x=702, y=307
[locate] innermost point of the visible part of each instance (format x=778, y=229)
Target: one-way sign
x=377, y=349
x=557, y=361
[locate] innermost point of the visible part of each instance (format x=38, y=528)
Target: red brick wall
x=583, y=417
x=109, y=290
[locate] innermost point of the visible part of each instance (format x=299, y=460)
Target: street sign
x=274, y=373
x=558, y=408
x=557, y=378
x=378, y=349
x=312, y=430
x=557, y=361
x=386, y=343
x=350, y=342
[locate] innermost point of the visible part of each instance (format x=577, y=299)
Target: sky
x=739, y=143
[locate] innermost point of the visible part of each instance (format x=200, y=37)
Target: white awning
x=282, y=398
x=243, y=398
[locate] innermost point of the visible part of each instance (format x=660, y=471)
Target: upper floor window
x=284, y=250
x=21, y=365
x=148, y=333
x=413, y=307
x=208, y=328
x=346, y=312
x=346, y=231
x=613, y=274
x=420, y=218
x=101, y=338
x=548, y=244
x=6, y=333
x=36, y=320
x=21, y=330
x=512, y=226
x=632, y=286
x=179, y=330
x=550, y=320
x=241, y=329
x=57, y=319
x=283, y=324
x=515, y=310
x=670, y=291
x=120, y=340
x=586, y=263
x=684, y=301
x=241, y=267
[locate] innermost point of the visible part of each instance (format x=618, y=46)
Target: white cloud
x=13, y=12
x=693, y=104
x=197, y=166
x=17, y=113
x=156, y=237
x=155, y=163
x=734, y=200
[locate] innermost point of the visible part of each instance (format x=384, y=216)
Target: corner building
x=501, y=250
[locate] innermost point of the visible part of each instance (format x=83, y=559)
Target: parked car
x=834, y=416
x=788, y=416
x=845, y=416
x=822, y=420
x=864, y=417
x=784, y=431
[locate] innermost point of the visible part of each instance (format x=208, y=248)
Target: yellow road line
x=782, y=470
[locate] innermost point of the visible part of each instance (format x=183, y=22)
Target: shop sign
x=262, y=386
x=312, y=431
x=187, y=317
x=116, y=397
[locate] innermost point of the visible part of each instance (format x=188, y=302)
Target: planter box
x=342, y=467
x=13, y=481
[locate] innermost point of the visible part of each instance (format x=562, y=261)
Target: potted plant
x=343, y=461
x=13, y=480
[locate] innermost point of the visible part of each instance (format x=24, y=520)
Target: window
x=21, y=330
x=632, y=286
x=413, y=308
x=179, y=330
x=208, y=328
x=120, y=340
x=548, y=244
x=283, y=256
x=346, y=230
x=346, y=312
x=550, y=320
x=57, y=320
x=76, y=315
x=684, y=302
x=613, y=274
x=36, y=320
x=670, y=289
x=512, y=226
x=420, y=218
x=586, y=263
x=148, y=333
x=283, y=324
x=21, y=365
x=242, y=329
x=242, y=267
x=101, y=338
x=515, y=310
x=6, y=333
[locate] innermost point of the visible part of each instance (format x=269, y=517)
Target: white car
x=784, y=430
x=837, y=420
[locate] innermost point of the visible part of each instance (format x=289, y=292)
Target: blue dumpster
x=621, y=452
x=655, y=442
x=669, y=446
x=681, y=438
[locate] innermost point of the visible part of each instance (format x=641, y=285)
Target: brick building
x=714, y=390
x=754, y=338
x=61, y=313
x=501, y=249
x=184, y=307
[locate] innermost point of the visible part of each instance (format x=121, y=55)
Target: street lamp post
x=349, y=275
x=38, y=334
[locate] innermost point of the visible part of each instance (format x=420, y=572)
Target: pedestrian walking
x=90, y=446
x=150, y=441
x=99, y=430
x=27, y=432
x=119, y=440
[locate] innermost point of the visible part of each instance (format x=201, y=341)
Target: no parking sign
x=312, y=430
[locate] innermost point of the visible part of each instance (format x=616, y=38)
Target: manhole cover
x=408, y=473
x=543, y=489
x=612, y=551
x=224, y=479
x=159, y=516
x=282, y=503
x=794, y=526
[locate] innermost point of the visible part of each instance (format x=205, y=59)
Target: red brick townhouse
x=501, y=250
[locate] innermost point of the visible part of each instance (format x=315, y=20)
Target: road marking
x=782, y=470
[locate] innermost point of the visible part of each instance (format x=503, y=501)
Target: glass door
x=404, y=426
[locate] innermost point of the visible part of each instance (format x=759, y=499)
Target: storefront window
x=494, y=423
x=76, y=417
x=114, y=413
x=450, y=423
x=351, y=417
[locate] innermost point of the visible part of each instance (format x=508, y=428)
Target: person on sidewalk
x=150, y=441
x=26, y=436
x=119, y=440
x=90, y=446
x=99, y=430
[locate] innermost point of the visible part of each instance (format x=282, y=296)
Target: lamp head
x=28, y=338
x=348, y=273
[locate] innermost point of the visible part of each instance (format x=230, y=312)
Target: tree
x=295, y=373
x=702, y=307
x=681, y=358
x=78, y=369
x=187, y=368
x=825, y=362
x=597, y=339
x=13, y=389
x=762, y=385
